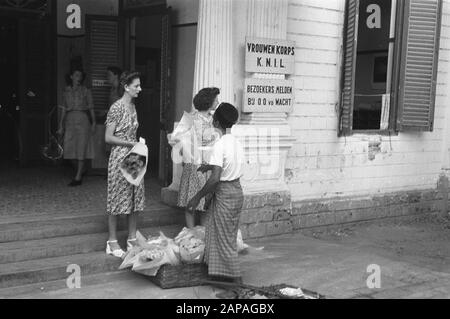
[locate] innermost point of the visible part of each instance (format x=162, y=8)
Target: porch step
x=38, y=249
x=41, y=288
x=50, y=269
x=51, y=226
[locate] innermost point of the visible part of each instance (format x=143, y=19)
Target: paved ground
x=44, y=190
x=414, y=259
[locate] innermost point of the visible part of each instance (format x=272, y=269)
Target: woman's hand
x=193, y=204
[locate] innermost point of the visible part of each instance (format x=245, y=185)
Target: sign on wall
x=264, y=95
x=269, y=56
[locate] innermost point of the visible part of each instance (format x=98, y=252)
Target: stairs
x=39, y=248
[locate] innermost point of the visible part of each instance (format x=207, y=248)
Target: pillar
x=213, y=65
x=267, y=153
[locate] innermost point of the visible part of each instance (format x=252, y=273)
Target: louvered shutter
x=349, y=67
x=103, y=43
x=419, y=65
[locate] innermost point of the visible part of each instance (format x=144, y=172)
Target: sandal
x=116, y=252
x=131, y=243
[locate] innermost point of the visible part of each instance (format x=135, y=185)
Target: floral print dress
x=78, y=139
x=191, y=180
x=123, y=197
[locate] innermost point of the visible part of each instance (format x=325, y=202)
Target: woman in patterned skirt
x=225, y=164
x=77, y=123
x=202, y=135
x=123, y=197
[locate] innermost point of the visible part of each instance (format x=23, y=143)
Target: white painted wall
x=321, y=164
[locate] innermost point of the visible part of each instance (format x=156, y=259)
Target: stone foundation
x=274, y=214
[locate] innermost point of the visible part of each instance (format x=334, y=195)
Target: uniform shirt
x=78, y=99
x=228, y=153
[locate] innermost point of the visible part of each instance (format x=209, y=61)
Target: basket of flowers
x=170, y=263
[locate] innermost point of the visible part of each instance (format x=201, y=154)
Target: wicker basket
x=184, y=275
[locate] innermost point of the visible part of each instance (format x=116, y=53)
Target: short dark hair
x=205, y=98
x=227, y=115
x=115, y=70
x=128, y=77
x=74, y=69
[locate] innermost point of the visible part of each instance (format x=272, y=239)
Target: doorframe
x=143, y=10
x=125, y=16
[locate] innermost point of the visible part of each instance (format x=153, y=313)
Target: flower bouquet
x=134, y=165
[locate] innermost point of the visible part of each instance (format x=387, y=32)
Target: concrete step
x=51, y=226
x=34, y=250
x=52, y=269
x=40, y=289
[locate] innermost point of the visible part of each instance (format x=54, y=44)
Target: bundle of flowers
x=133, y=164
x=150, y=254
x=149, y=257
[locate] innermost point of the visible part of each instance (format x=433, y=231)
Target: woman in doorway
x=113, y=74
x=77, y=123
x=123, y=197
x=225, y=164
x=201, y=136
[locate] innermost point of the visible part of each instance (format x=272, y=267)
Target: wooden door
x=34, y=86
x=165, y=158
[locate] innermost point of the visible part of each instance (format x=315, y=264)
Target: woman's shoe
x=131, y=243
x=75, y=183
x=116, y=252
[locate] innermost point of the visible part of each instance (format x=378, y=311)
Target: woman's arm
x=205, y=168
x=114, y=140
x=90, y=101
x=209, y=187
x=63, y=116
x=63, y=119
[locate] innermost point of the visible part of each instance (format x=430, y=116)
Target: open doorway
x=26, y=86
x=148, y=50
x=9, y=112
x=147, y=60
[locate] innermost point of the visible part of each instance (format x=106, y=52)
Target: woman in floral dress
x=202, y=136
x=123, y=197
x=77, y=123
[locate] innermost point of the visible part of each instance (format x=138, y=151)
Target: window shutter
x=418, y=71
x=103, y=43
x=349, y=67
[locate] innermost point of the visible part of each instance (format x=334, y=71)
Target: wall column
x=213, y=65
x=267, y=136
x=214, y=51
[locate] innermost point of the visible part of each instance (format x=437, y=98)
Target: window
x=390, y=65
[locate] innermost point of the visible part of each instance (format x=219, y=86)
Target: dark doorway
x=25, y=86
x=147, y=49
x=148, y=64
x=35, y=58
x=9, y=110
